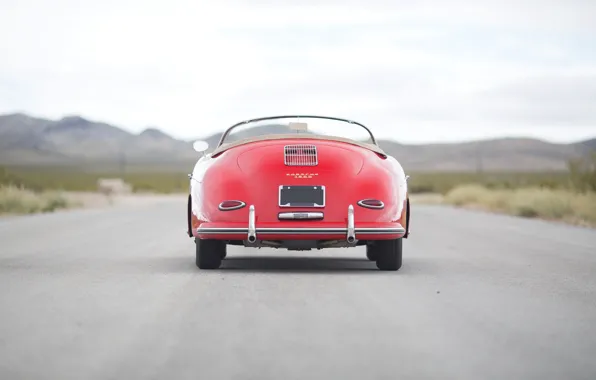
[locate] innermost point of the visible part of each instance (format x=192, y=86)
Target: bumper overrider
x=251, y=232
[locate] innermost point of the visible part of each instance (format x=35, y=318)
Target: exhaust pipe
x=252, y=234
x=351, y=235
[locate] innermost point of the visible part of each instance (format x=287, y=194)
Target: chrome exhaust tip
x=351, y=238
x=252, y=234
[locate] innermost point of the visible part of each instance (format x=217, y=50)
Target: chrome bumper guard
x=351, y=238
x=252, y=231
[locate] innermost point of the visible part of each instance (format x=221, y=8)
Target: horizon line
x=430, y=142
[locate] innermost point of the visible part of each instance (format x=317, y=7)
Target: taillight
x=371, y=203
x=231, y=205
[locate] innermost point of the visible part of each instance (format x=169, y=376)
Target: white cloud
x=416, y=71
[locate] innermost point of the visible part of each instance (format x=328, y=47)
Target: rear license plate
x=302, y=196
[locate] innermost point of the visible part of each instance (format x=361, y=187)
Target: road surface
x=115, y=294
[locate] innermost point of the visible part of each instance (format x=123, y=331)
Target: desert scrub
x=18, y=200
x=552, y=204
x=443, y=182
x=582, y=172
x=78, y=180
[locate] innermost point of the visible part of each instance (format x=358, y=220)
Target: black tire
x=407, y=219
x=188, y=220
x=371, y=254
x=389, y=254
x=209, y=253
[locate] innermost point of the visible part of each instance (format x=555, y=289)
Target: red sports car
x=290, y=185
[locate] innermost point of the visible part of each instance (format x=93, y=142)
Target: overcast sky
x=419, y=71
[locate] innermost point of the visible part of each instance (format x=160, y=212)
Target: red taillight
x=371, y=203
x=231, y=205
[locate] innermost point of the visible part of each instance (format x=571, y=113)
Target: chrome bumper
x=252, y=231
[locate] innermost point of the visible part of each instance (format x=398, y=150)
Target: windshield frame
x=227, y=132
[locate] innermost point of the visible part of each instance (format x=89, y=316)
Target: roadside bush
x=582, y=173
x=534, y=202
x=18, y=200
x=443, y=182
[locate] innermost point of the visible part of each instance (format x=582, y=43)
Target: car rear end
x=288, y=190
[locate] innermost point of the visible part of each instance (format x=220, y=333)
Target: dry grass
x=562, y=205
x=18, y=200
x=81, y=180
x=426, y=198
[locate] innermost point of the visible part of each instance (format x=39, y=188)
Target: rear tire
x=209, y=253
x=388, y=254
x=370, y=252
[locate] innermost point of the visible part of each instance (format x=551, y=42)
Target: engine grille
x=300, y=155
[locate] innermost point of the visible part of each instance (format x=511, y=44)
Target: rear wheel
x=388, y=254
x=370, y=252
x=209, y=253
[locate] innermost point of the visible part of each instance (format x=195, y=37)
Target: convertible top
x=226, y=146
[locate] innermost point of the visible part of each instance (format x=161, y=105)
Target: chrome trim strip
x=252, y=234
x=297, y=231
x=380, y=231
x=300, y=215
x=351, y=237
x=242, y=204
x=361, y=204
x=311, y=206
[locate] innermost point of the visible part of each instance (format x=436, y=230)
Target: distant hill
x=73, y=140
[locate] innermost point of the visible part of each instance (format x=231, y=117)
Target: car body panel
x=252, y=172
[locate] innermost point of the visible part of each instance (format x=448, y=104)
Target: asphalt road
x=115, y=294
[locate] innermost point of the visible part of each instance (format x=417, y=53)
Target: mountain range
x=74, y=140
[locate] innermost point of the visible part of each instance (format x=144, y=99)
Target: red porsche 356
x=299, y=189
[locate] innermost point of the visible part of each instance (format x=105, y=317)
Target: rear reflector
x=371, y=203
x=231, y=205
